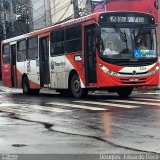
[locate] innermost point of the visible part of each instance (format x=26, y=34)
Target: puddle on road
x=19, y=145
x=48, y=126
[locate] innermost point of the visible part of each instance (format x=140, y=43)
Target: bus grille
x=133, y=80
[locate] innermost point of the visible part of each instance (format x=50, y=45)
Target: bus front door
x=44, y=61
x=13, y=65
x=90, y=55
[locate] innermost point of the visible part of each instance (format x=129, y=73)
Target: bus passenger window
x=6, y=54
x=57, y=42
x=21, y=51
x=73, y=38
x=32, y=53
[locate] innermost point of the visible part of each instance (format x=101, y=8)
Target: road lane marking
x=146, y=99
x=108, y=104
x=134, y=102
x=51, y=109
x=78, y=106
x=26, y=108
x=11, y=110
x=156, y=93
x=8, y=105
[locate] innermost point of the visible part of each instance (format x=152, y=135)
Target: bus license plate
x=133, y=80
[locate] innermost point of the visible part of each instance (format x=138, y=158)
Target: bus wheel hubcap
x=76, y=85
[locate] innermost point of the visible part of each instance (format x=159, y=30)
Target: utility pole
x=54, y=9
x=89, y=6
x=30, y=15
x=47, y=13
x=12, y=18
x=76, y=9
x=3, y=19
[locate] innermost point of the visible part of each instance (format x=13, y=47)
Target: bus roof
x=64, y=24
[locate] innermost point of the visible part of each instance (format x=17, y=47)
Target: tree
x=21, y=14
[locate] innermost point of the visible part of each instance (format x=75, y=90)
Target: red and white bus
x=113, y=51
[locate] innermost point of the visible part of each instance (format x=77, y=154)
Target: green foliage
x=21, y=25
x=6, y=5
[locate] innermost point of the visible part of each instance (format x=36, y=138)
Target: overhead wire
x=59, y=8
x=41, y=20
x=57, y=11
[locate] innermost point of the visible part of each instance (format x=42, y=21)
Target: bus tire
x=64, y=92
x=35, y=91
x=25, y=86
x=124, y=92
x=76, y=89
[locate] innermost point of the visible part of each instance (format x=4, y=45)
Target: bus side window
x=73, y=39
x=57, y=42
x=32, y=48
x=6, y=54
x=21, y=51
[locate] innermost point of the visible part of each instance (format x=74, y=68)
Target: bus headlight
x=154, y=71
x=108, y=71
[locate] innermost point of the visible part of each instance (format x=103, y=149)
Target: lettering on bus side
x=78, y=58
x=59, y=64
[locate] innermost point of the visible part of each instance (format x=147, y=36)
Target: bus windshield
x=128, y=43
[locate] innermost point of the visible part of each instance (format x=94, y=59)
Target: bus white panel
x=21, y=70
x=137, y=69
x=32, y=70
x=53, y=80
x=61, y=80
x=57, y=72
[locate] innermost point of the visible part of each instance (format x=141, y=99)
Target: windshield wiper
x=121, y=34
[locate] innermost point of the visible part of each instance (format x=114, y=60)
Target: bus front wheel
x=76, y=89
x=124, y=92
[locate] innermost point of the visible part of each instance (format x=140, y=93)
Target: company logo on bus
x=134, y=72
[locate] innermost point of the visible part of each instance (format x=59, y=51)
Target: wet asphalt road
x=49, y=123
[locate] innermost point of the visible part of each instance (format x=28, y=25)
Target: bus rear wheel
x=124, y=92
x=25, y=86
x=35, y=91
x=64, y=92
x=76, y=89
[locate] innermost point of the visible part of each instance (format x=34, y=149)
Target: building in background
x=49, y=12
x=147, y=6
x=41, y=13
x=61, y=10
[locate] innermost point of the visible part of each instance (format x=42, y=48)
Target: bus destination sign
x=122, y=19
x=116, y=17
